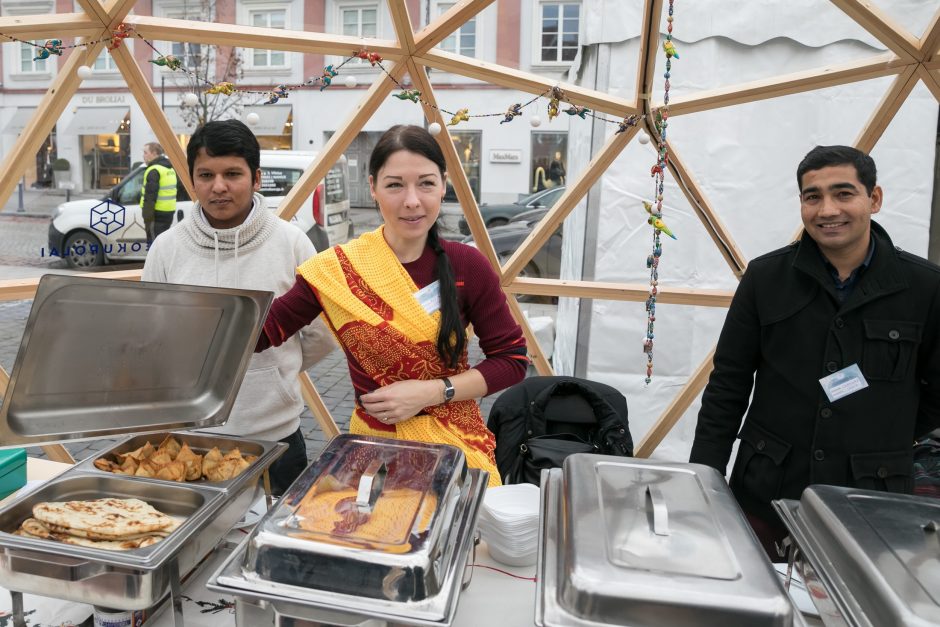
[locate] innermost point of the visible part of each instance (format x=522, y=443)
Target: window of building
x=268, y=18
x=549, y=158
x=104, y=63
x=464, y=39
x=558, y=31
x=359, y=20
x=28, y=62
x=193, y=55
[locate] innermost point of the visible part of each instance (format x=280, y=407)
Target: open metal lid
x=103, y=357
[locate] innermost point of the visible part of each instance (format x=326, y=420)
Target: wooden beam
x=884, y=64
x=338, y=143
x=930, y=41
x=402, y=23
x=95, y=10
x=143, y=93
x=40, y=26
x=649, y=51
x=525, y=81
x=715, y=228
x=882, y=27
x=888, y=107
x=569, y=199
x=24, y=289
x=441, y=27
x=455, y=171
x=532, y=343
x=931, y=80
x=679, y=405
x=239, y=35
x=317, y=407
x=620, y=291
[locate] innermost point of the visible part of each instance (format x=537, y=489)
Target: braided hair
x=452, y=336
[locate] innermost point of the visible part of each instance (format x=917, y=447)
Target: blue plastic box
x=12, y=471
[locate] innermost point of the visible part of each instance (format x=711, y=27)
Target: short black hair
x=223, y=138
x=824, y=156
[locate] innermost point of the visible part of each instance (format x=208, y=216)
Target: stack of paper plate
x=509, y=523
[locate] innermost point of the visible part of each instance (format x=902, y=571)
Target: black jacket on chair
x=786, y=324
x=555, y=408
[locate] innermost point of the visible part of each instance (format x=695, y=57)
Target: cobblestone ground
x=330, y=376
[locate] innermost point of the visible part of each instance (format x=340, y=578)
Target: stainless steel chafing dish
x=101, y=358
x=869, y=558
x=374, y=528
x=639, y=542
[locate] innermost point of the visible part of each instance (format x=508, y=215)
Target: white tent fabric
x=744, y=158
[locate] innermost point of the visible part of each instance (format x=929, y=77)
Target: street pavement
x=22, y=242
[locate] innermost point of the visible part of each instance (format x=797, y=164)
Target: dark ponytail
x=452, y=337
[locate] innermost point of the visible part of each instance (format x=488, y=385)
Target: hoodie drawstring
x=237, y=277
x=215, y=236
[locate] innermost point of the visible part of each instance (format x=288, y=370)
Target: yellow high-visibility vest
x=166, y=196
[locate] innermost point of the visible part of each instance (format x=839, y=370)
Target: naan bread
x=108, y=518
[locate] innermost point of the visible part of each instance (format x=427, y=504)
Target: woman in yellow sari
x=399, y=300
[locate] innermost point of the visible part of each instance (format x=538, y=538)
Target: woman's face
x=409, y=189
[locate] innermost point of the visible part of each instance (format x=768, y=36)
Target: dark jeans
x=162, y=220
x=290, y=465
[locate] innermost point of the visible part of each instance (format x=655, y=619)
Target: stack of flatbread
x=113, y=524
x=173, y=461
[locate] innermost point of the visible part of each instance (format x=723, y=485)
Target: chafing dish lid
x=102, y=357
x=880, y=549
x=637, y=534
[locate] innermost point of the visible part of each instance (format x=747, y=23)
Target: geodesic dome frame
x=909, y=60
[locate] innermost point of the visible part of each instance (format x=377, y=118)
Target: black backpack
x=542, y=420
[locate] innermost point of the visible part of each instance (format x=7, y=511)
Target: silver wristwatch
x=449, y=390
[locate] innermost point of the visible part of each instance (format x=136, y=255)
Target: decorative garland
x=655, y=209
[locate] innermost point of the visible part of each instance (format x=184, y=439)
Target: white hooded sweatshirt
x=260, y=254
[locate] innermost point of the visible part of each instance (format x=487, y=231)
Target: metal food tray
x=126, y=580
x=295, y=602
x=266, y=452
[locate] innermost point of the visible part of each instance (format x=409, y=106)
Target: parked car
x=497, y=215
x=546, y=263
x=89, y=233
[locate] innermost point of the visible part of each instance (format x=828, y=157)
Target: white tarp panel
x=96, y=120
x=744, y=158
x=178, y=123
x=18, y=122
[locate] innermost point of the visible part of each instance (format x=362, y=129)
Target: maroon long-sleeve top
x=482, y=304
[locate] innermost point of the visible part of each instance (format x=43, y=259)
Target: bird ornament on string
x=326, y=79
x=512, y=112
x=51, y=47
x=462, y=115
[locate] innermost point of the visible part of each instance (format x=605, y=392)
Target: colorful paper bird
x=579, y=111
x=657, y=221
x=409, y=94
x=462, y=115
x=119, y=35
x=52, y=46
x=554, y=97
x=326, y=79
x=670, y=49
x=511, y=112
x=169, y=61
x=371, y=57
x=656, y=169
x=626, y=123
x=279, y=92
x=226, y=89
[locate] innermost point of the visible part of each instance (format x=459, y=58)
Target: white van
x=89, y=233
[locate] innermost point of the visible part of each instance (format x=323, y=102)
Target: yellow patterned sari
x=368, y=300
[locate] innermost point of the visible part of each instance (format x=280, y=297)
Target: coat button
x=840, y=323
x=825, y=412
x=761, y=445
x=893, y=334
x=882, y=472
x=819, y=455
x=832, y=366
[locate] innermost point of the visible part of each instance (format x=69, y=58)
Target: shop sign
x=505, y=156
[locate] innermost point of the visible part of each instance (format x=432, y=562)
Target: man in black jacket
x=838, y=335
x=158, y=193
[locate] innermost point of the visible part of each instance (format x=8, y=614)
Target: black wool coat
x=785, y=330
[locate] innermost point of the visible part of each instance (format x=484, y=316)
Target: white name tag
x=840, y=384
x=429, y=297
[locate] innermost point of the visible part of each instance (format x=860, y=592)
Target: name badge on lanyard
x=429, y=297
x=844, y=382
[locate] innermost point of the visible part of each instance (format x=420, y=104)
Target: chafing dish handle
x=660, y=512
x=933, y=526
x=370, y=485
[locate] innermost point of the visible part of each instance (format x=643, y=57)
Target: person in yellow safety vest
x=158, y=193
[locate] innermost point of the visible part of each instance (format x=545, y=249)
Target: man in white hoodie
x=231, y=239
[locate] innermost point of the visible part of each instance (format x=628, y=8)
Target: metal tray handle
x=660, y=511
x=370, y=485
